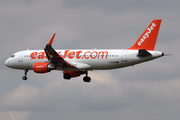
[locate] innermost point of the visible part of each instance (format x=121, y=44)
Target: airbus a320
x=74, y=63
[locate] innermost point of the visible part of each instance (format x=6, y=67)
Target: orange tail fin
x=148, y=39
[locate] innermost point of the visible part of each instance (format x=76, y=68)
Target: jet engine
x=41, y=67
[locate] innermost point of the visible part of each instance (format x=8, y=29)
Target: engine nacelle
x=41, y=67
x=75, y=73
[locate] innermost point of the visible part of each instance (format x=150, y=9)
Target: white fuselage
x=94, y=59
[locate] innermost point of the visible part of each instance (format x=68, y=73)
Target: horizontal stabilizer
x=143, y=53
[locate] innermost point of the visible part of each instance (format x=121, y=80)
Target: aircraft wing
x=54, y=58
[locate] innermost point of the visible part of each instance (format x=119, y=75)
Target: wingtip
x=50, y=42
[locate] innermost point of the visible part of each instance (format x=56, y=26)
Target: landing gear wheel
x=25, y=73
x=24, y=78
x=87, y=79
x=67, y=76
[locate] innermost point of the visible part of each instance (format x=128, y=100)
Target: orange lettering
x=71, y=55
x=65, y=53
x=33, y=55
x=60, y=54
x=103, y=54
x=85, y=54
x=94, y=55
x=41, y=55
x=78, y=54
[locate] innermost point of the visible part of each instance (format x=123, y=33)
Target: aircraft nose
x=7, y=63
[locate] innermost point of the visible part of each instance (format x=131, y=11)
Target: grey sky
x=147, y=91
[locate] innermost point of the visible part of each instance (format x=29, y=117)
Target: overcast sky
x=148, y=91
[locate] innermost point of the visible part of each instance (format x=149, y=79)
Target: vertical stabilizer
x=148, y=39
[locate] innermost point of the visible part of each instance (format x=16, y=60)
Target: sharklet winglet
x=51, y=41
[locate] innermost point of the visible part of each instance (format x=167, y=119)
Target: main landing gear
x=25, y=73
x=68, y=76
x=86, y=78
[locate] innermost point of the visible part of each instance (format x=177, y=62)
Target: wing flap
x=81, y=66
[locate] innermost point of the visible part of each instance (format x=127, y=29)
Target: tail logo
x=146, y=35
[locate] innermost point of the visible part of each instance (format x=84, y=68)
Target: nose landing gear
x=25, y=73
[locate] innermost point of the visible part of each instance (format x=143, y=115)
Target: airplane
x=74, y=63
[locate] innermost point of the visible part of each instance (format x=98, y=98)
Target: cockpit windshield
x=12, y=56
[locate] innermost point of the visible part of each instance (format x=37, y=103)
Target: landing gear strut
x=86, y=78
x=25, y=73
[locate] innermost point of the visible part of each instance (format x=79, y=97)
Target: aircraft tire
x=24, y=78
x=87, y=79
x=67, y=76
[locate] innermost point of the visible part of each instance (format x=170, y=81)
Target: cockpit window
x=12, y=56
